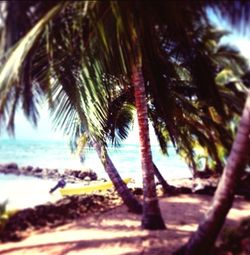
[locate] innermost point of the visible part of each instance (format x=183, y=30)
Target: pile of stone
x=53, y=215
x=45, y=173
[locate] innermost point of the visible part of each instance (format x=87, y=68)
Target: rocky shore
x=51, y=215
x=68, y=175
x=202, y=186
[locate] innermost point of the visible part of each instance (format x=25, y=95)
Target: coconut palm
x=131, y=54
x=153, y=203
x=131, y=65
x=150, y=196
x=201, y=242
x=73, y=99
x=17, y=90
x=190, y=113
x=203, y=239
x=215, y=99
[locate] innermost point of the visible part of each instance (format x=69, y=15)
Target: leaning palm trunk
x=167, y=189
x=151, y=218
x=122, y=189
x=204, y=238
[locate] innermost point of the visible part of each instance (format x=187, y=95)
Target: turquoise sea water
x=57, y=154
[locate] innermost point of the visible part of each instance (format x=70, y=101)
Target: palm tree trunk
x=167, y=189
x=204, y=238
x=129, y=200
x=151, y=218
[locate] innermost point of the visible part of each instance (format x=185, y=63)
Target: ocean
x=28, y=191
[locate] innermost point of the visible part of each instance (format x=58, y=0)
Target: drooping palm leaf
x=10, y=71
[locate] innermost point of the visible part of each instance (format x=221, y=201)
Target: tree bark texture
x=151, y=218
x=205, y=236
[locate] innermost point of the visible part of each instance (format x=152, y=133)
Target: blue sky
x=44, y=130
x=235, y=37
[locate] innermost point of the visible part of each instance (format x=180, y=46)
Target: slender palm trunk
x=204, y=238
x=168, y=189
x=151, y=218
x=122, y=189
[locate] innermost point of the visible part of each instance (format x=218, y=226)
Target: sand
x=117, y=232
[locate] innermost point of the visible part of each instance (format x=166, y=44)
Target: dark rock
x=205, y=174
x=206, y=190
x=38, y=170
x=137, y=191
x=184, y=190
x=93, y=175
x=78, y=174
x=11, y=166
x=69, y=175
x=243, y=191
x=82, y=175
x=29, y=168
x=53, y=215
x=41, y=223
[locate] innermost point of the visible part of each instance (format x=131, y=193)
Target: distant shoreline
x=70, y=176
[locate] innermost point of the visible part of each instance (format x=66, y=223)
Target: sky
x=242, y=42
x=45, y=131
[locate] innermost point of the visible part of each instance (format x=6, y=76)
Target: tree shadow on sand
x=120, y=229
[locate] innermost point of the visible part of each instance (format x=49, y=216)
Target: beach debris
x=60, y=184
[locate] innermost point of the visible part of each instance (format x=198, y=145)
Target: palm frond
x=10, y=73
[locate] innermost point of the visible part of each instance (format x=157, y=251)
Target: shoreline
x=184, y=185
x=69, y=175
x=25, y=197
x=102, y=229
x=53, y=215
x=35, y=189
x=79, y=175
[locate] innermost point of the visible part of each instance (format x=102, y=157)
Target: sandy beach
x=122, y=116
x=117, y=232
x=100, y=224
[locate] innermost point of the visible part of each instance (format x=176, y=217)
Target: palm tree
x=70, y=90
x=203, y=239
x=119, y=120
x=151, y=217
x=136, y=68
x=70, y=100
x=206, y=234
x=191, y=124
x=178, y=110
x=151, y=213
x=151, y=209
x=131, y=54
x=12, y=92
